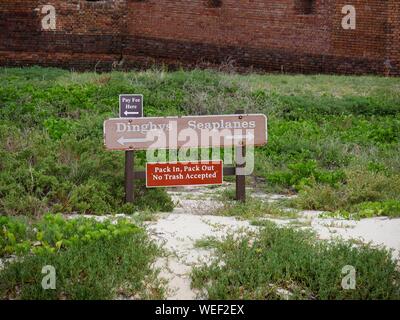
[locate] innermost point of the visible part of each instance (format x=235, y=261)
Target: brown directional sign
x=185, y=132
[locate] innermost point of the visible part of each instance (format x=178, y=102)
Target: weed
x=361, y=186
x=93, y=260
x=389, y=208
x=285, y=259
x=110, y=267
x=325, y=132
x=253, y=208
x=53, y=233
x=207, y=243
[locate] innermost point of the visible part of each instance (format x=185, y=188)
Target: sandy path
x=178, y=232
x=190, y=221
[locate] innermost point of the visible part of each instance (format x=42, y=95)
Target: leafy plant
x=282, y=263
x=56, y=128
x=304, y=174
x=107, y=268
x=390, y=208
x=361, y=186
x=13, y=234
x=53, y=233
x=323, y=131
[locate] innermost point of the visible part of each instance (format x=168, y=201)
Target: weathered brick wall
x=393, y=40
x=266, y=34
x=87, y=34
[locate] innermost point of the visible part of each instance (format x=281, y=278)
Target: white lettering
x=49, y=20
x=349, y=20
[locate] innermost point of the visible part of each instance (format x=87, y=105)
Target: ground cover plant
x=253, y=208
x=93, y=260
x=53, y=233
x=334, y=140
x=282, y=263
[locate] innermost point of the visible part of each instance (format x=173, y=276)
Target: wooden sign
x=175, y=174
x=130, y=105
x=185, y=132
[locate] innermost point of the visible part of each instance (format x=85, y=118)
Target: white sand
x=178, y=233
x=191, y=221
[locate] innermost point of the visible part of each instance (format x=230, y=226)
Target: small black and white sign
x=130, y=105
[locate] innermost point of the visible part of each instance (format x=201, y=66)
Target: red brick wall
x=393, y=40
x=264, y=34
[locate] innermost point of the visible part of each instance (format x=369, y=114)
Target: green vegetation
x=207, y=243
x=53, y=233
x=51, y=145
x=361, y=188
x=334, y=141
x=253, y=208
x=329, y=135
x=93, y=260
x=282, y=263
x=389, y=208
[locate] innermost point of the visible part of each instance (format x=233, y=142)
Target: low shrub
x=360, y=187
x=53, y=233
x=389, y=208
x=253, y=208
x=304, y=174
x=107, y=268
x=282, y=263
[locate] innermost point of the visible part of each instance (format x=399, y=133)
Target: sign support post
x=130, y=106
x=130, y=133
x=240, y=179
x=129, y=176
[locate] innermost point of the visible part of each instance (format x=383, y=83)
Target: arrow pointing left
x=130, y=112
x=122, y=141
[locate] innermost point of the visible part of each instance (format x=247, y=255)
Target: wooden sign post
x=144, y=133
x=130, y=106
x=240, y=179
x=129, y=176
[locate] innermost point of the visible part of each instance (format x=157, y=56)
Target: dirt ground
x=192, y=220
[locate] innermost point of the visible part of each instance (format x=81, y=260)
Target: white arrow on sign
x=130, y=112
x=122, y=141
x=248, y=136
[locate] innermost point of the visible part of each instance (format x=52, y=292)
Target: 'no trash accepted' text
x=194, y=173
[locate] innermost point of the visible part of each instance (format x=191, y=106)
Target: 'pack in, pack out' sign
x=173, y=174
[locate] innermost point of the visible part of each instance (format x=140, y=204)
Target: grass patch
x=53, y=233
x=389, y=208
x=253, y=208
x=227, y=194
x=92, y=260
x=283, y=258
x=206, y=243
x=293, y=223
x=360, y=190
x=100, y=270
x=326, y=133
